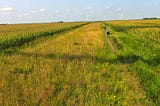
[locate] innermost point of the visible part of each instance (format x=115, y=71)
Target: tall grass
x=26, y=37
x=141, y=50
x=126, y=26
x=76, y=68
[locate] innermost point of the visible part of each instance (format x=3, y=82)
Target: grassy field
x=16, y=35
x=140, y=48
x=82, y=66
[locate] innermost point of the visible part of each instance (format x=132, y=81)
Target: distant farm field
x=61, y=64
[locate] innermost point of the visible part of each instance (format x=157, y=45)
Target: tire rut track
x=111, y=45
x=129, y=77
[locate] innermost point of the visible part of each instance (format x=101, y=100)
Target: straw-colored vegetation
x=84, y=67
x=16, y=35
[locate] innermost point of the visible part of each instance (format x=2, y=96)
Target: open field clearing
x=82, y=66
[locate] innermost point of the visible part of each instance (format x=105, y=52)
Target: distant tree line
x=3, y=24
x=60, y=22
x=150, y=18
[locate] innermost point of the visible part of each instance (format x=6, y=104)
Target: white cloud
x=6, y=13
x=42, y=9
x=67, y=10
x=118, y=10
x=89, y=8
x=6, y=9
x=26, y=14
x=38, y=10
x=57, y=11
x=107, y=7
x=33, y=11
x=121, y=15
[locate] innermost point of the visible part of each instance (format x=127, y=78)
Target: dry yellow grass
x=73, y=68
x=11, y=31
x=75, y=42
x=31, y=69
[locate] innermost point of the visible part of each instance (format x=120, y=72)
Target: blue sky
x=24, y=11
